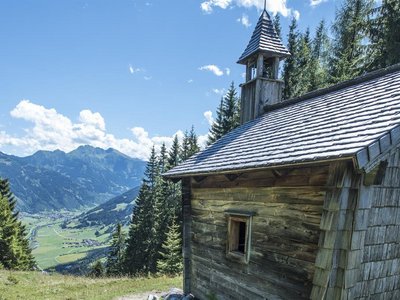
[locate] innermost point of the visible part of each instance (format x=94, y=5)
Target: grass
x=38, y=286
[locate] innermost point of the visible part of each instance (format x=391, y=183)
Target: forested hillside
x=117, y=209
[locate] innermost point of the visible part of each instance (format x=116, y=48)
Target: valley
x=60, y=244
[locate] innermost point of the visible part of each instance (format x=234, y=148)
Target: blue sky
x=125, y=74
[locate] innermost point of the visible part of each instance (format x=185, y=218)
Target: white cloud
x=207, y=6
x=133, y=70
x=228, y=71
x=202, y=141
x=274, y=6
x=218, y=91
x=212, y=68
x=51, y=130
x=296, y=14
x=244, y=20
x=190, y=81
x=95, y=119
x=209, y=117
x=316, y=2
x=147, y=77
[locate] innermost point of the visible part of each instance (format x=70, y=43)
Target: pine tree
x=348, y=53
x=115, y=256
x=228, y=115
x=289, y=67
x=170, y=262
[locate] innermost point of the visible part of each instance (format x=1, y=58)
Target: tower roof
x=264, y=40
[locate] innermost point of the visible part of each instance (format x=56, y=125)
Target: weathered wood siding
x=334, y=273
x=378, y=231
x=284, y=240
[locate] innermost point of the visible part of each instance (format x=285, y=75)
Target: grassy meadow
x=38, y=286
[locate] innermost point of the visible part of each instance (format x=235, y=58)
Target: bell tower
x=261, y=58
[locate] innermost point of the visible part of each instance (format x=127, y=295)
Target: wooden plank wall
x=285, y=233
x=378, y=231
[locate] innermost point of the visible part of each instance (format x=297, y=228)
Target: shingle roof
x=358, y=119
x=264, y=39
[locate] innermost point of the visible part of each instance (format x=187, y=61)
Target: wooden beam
x=232, y=177
x=199, y=178
x=187, y=229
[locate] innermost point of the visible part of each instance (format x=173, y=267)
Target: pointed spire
x=265, y=5
x=264, y=40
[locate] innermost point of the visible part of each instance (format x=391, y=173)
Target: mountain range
x=84, y=177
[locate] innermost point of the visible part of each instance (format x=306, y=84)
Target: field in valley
x=54, y=244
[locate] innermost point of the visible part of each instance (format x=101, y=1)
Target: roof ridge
x=336, y=87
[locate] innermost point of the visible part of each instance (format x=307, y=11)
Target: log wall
x=284, y=240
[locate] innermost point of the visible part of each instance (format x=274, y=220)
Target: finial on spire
x=265, y=4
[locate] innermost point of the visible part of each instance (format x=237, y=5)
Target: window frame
x=247, y=218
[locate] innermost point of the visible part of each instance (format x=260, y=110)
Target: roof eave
x=369, y=156
x=266, y=167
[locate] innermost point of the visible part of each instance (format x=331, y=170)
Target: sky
x=126, y=74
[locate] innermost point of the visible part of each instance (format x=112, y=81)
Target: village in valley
x=293, y=193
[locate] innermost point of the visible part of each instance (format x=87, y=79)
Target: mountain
x=117, y=209
x=53, y=180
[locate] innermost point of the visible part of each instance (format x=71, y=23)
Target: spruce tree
x=348, y=52
x=289, y=67
x=303, y=65
x=115, y=256
x=384, y=34
x=277, y=25
x=231, y=115
x=174, y=188
x=170, y=262
x=216, y=130
x=8, y=236
x=319, y=58
x=15, y=252
x=141, y=252
x=185, y=151
x=228, y=115
x=193, y=142
x=174, y=154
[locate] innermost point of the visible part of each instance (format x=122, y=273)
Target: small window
x=239, y=230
